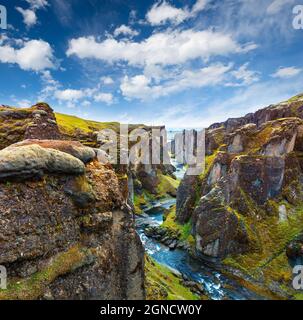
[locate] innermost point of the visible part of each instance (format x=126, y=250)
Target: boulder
x=74, y=148
x=33, y=161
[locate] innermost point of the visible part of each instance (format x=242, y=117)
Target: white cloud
x=104, y=97
x=142, y=87
x=84, y=96
x=126, y=31
x=163, y=12
x=86, y=103
x=29, y=16
x=35, y=55
x=277, y=5
x=244, y=75
x=107, y=80
x=199, y=6
x=243, y=101
x=287, y=72
x=166, y=48
x=69, y=94
x=37, y=4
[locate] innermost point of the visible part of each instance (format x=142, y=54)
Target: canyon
x=74, y=226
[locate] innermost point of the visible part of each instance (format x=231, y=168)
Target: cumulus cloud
x=53, y=89
x=163, y=12
x=165, y=48
x=141, y=87
x=34, y=55
x=126, y=31
x=107, y=80
x=29, y=16
x=69, y=94
x=107, y=98
x=287, y=72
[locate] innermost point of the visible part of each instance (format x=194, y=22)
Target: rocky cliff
x=66, y=231
x=246, y=208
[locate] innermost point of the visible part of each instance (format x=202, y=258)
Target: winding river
x=217, y=285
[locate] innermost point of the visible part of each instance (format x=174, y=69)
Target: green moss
x=167, y=186
x=182, y=231
x=298, y=296
x=34, y=286
x=260, y=138
x=295, y=98
x=270, y=262
x=162, y=284
x=139, y=201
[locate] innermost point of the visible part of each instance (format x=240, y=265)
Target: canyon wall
x=66, y=229
x=246, y=208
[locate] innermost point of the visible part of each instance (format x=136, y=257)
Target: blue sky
x=184, y=63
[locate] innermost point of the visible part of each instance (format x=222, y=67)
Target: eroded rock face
x=254, y=170
x=66, y=234
x=218, y=230
x=43, y=125
x=261, y=178
x=37, y=122
x=186, y=197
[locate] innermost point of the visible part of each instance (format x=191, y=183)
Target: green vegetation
x=209, y=160
x=34, y=286
x=295, y=98
x=141, y=200
x=182, y=231
x=70, y=124
x=162, y=284
x=167, y=186
x=269, y=263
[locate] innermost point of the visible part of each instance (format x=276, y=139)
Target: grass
x=162, y=284
x=69, y=124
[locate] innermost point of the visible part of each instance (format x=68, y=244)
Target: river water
x=217, y=285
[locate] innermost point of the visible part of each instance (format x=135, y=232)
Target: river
x=217, y=285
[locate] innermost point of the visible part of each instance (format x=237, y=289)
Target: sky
x=185, y=63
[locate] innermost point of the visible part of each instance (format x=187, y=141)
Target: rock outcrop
x=253, y=164
x=246, y=208
x=37, y=122
x=66, y=232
